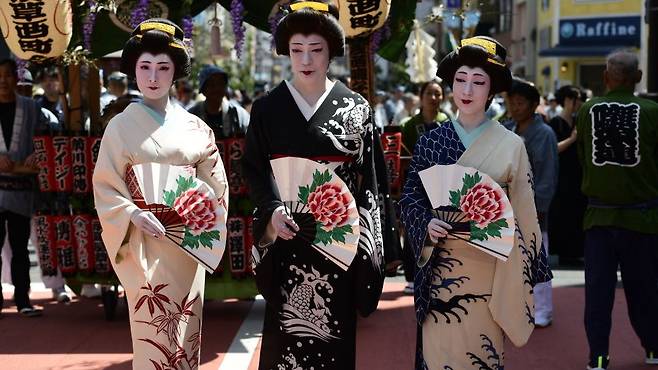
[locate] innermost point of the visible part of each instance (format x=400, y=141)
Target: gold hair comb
x=321, y=7
x=172, y=44
x=167, y=28
x=489, y=46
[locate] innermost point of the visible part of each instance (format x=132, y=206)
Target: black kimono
x=310, y=320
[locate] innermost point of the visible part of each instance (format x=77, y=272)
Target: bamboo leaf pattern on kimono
x=153, y=298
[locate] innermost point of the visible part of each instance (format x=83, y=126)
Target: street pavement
x=76, y=336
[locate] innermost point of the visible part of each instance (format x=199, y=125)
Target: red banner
x=64, y=243
x=102, y=263
x=45, y=152
x=44, y=231
x=249, y=241
x=80, y=158
x=83, y=237
x=235, y=149
x=93, y=147
x=63, y=163
x=392, y=145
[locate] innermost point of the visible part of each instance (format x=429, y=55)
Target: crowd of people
x=560, y=160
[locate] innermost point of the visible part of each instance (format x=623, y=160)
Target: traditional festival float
x=80, y=37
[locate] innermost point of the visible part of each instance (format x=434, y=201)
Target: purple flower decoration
x=21, y=66
x=88, y=24
x=140, y=13
x=273, y=22
x=383, y=33
x=188, y=27
x=237, y=9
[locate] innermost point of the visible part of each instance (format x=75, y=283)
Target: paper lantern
x=36, y=29
x=361, y=17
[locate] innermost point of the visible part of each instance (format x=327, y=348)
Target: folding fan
x=474, y=205
x=187, y=207
x=321, y=205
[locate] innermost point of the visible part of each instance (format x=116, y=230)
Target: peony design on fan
x=329, y=206
x=483, y=204
x=198, y=212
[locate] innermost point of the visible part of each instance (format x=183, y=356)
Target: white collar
x=307, y=110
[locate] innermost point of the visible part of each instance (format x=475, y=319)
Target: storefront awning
x=579, y=51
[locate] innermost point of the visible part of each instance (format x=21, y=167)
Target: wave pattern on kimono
x=310, y=320
x=466, y=301
x=164, y=285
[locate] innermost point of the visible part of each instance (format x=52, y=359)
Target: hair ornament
x=321, y=7
x=489, y=46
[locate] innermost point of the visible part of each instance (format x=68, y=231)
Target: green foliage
x=323, y=236
x=184, y=184
x=318, y=179
x=205, y=239
x=455, y=198
x=491, y=230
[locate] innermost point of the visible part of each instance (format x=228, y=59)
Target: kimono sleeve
x=210, y=169
x=416, y=207
x=367, y=264
x=511, y=302
x=264, y=193
x=258, y=172
x=111, y=195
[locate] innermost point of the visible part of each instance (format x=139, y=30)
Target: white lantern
x=36, y=29
x=361, y=17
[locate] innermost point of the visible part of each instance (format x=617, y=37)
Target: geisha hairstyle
x=483, y=52
x=308, y=17
x=156, y=36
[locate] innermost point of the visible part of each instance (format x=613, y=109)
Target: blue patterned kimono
x=445, y=273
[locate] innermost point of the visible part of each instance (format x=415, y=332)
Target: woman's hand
x=146, y=221
x=284, y=226
x=437, y=229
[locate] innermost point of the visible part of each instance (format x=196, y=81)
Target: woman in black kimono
x=310, y=320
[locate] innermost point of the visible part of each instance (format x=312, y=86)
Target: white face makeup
x=309, y=57
x=154, y=75
x=471, y=88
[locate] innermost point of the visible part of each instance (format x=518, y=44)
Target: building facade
x=574, y=37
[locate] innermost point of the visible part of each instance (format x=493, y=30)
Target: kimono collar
x=157, y=117
x=307, y=110
x=467, y=138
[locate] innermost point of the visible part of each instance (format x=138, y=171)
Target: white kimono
x=164, y=285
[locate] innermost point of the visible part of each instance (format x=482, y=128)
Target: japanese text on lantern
x=31, y=26
x=361, y=13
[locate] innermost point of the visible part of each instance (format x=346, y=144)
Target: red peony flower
x=482, y=204
x=196, y=210
x=329, y=206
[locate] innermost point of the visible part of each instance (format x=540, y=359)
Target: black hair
x=525, y=89
x=156, y=41
x=424, y=86
x=309, y=21
x=474, y=55
x=567, y=91
x=12, y=65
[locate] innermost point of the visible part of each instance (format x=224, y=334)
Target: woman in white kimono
x=164, y=285
x=466, y=300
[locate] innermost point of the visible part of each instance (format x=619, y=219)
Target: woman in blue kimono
x=467, y=301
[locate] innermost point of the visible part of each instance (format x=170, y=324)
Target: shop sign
x=623, y=31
